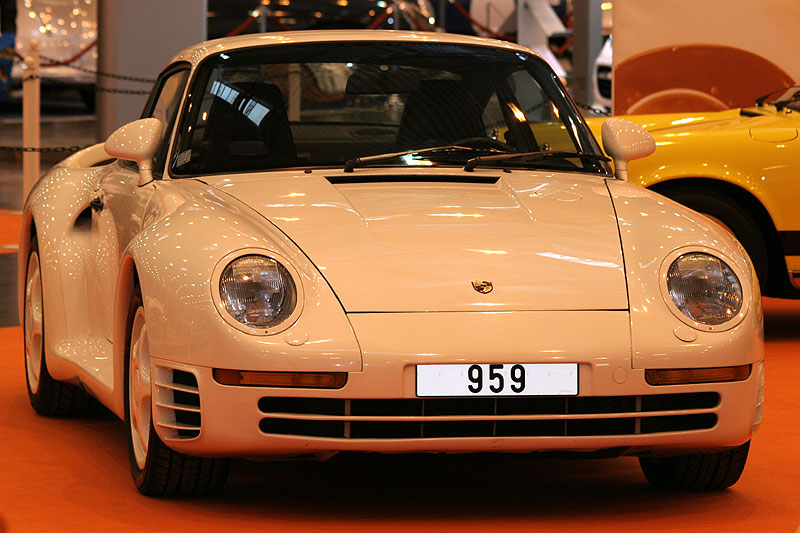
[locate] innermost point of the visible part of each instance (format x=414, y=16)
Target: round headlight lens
x=257, y=291
x=704, y=288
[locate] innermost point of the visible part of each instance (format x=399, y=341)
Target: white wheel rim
x=34, y=323
x=139, y=388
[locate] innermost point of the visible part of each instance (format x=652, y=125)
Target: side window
x=541, y=113
x=493, y=120
x=165, y=108
x=536, y=105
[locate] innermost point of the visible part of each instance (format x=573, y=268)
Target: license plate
x=538, y=379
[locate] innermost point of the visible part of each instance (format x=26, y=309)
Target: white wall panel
x=138, y=38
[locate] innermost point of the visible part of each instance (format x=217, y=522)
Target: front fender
x=653, y=229
x=189, y=229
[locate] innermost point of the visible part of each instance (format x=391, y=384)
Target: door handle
x=97, y=204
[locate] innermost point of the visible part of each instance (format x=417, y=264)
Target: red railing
x=72, y=58
x=252, y=18
x=493, y=34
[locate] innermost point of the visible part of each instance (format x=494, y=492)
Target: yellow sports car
x=740, y=167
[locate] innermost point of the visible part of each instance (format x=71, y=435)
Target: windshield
x=324, y=104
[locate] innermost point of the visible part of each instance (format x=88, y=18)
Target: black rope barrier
x=96, y=88
x=43, y=150
x=100, y=73
x=19, y=59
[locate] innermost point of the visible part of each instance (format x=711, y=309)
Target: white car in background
x=601, y=80
x=435, y=257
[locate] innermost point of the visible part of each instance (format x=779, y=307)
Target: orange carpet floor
x=10, y=224
x=72, y=475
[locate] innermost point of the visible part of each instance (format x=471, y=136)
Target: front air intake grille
x=177, y=403
x=487, y=417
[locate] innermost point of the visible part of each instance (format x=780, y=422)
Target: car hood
x=408, y=242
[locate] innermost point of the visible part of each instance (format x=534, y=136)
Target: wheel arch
x=126, y=281
x=777, y=278
x=26, y=234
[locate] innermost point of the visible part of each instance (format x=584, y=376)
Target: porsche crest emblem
x=483, y=287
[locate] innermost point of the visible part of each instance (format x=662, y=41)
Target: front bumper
x=378, y=410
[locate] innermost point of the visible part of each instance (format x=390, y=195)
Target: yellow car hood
x=764, y=123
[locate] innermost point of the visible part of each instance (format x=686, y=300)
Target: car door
x=121, y=200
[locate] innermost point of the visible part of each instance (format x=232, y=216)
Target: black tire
x=731, y=214
x=48, y=397
x=700, y=471
x=165, y=472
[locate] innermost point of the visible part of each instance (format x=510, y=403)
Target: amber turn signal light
x=684, y=376
x=309, y=380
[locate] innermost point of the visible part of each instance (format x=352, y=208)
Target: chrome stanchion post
x=263, y=14
x=31, y=106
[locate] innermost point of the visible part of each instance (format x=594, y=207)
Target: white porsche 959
x=388, y=242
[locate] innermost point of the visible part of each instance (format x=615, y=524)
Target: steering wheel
x=485, y=142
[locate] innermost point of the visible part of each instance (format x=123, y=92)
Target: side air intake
x=176, y=403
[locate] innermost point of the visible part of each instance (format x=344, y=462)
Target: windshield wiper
x=350, y=164
x=763, y=98
x=533, y=156
x=784, y=103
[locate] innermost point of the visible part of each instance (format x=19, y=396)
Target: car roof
x=196, y=53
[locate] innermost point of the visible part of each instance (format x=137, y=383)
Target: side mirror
x=137, y=141
x=625, y=141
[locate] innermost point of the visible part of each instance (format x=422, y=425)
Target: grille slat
x=472, y=428
x=177, y=387
x=178, y=407
x=177, y=426
x=469, y=418
x=415, y=418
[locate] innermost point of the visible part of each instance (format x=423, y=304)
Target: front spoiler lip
x=275, y=446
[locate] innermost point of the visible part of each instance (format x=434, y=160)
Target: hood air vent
x=484, y=180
